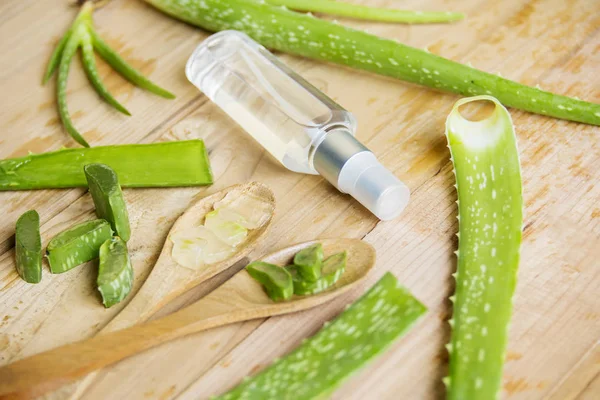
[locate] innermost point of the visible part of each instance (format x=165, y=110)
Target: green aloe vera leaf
x=301, y=34
x=89, y=64
x=333, y=269
x=167, y=164
x=82, y=34
x=309, y=261
x=126, y=70
x=277, y=281
x=56, y=57
x=28, y=247
x=108, y=198
x=115, y=274
x=77, y=245
x=61, y=88
x=490, y=203
x=368, y=13
x=316, y=368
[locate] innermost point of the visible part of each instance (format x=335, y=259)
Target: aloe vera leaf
x=333, y=269
x=56, y=57
x=277, y=281
x=115, y=274
x=490, y=203
x=363, y=331
x=368, y=13
x=61, y=88
x=167, y=164
x=77, y=245
x=301, y=34
x=89, y=64
x=28, y=247
x=127, y=71
x=104, y=187
x=309, y=262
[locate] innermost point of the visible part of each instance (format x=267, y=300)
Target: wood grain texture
x=241, y=298
x=556, y=322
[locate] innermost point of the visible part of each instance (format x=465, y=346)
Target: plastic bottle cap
x=376, y=188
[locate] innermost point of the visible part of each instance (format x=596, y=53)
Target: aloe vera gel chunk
x=341, y=348
x=28, y=247
x=108, y=198
x=309, y=261
x=277, y=281
x=332, y=270
x=76, y=245
x=115, y=274
x=490, y=204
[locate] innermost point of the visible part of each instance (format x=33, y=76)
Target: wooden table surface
x=553, y=351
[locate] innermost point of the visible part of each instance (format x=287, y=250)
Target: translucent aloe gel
x=299, y=125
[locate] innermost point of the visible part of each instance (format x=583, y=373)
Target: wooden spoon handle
x=33, y=376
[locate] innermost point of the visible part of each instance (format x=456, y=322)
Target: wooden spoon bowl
x=239, y=299
x=167, y=280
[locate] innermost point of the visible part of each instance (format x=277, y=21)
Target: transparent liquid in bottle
x=287, y=115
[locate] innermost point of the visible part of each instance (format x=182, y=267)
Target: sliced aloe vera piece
x=254, y=211
x=333, y=268
x=115, y=274
x=309, y=262
x=108, y=198
x=76, y=245
x=277, y=281
x=28, y=247
x=341, y=348
x=228, y=231
x=490, y=203
x=195, y=247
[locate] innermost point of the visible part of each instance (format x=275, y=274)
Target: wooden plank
x=547, y=42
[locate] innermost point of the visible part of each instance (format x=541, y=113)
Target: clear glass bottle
x=294, y=121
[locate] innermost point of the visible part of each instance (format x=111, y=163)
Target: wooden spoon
x=239, y=299
x=167, y=280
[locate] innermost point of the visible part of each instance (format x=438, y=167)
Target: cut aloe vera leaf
x=368, y=13
x=340, y=349
x=195, y=247
x=309, y=262
x=28, y=247
x=228, y=231
x=302, y=34
x=255, y=212
x=332, y=270
x=115, y=274
x=276, y=280
x=490, y=204
x=108, y=198
x=168, y=164
x=76, y=245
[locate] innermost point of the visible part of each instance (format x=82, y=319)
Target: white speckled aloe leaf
x=343, y=346
x=490, y=203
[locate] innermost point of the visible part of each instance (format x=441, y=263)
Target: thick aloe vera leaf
x=333, y=268
x=108, y=198
x=76, y=245
x=28, y=247
x=369, y=13
x=490, y=203
x=168, y=164
x=277, y=281
x=302, y=34
x=309, y=261
x=115, y=274
x=341, y=348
